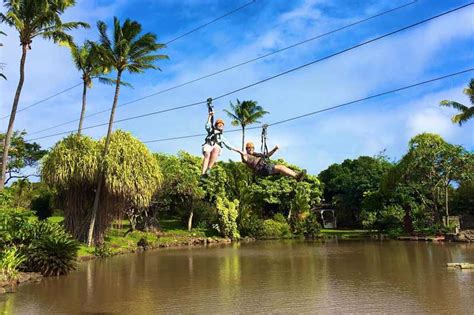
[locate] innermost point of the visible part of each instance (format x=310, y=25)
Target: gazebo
x=326, y=214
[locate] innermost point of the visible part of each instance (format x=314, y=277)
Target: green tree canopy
x=132, y=176
x=345, y=185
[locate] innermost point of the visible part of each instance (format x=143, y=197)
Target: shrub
x=227, y=215
x=251, y=225
x=47, y=247
x=311, y=226
x=390, y=218
x=10, y=260
x=272, y=228
x=52, y=252
x=102, y=250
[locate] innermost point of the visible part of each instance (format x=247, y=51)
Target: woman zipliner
x=259, y=164
x=212, y=146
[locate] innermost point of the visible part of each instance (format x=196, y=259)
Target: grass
x=171, y=232
x=346, y=233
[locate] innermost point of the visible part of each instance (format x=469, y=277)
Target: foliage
x=425, y=174
x=22, y=154
x=33, y=18
x=345, y=185
x=10, y=261
x=245, y=113
x=388, y=218
x=466, y=112
x=52, y=251
x=48, y=248
x=227, y=215
x=463, y=198
x=102, y=250
x=275, y=228
x=132, y=177
x=86, y=59
x=250, y=225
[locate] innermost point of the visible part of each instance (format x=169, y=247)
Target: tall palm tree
x=466, y=112
x=33, y=18
x=86, y=60
x=245, y=113
x=127, y=51
x=1, y=63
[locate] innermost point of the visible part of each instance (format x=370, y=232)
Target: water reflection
x=283, y=276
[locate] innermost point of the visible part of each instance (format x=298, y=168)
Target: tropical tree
x=86, y=59
x=22, y=155
x=466, y=112
x=127, y=51
x=245, y=113
x=131, y=175
x=1, y=63
x=33, y=18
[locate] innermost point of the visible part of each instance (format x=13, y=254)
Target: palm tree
x=466, y=112
x=86, y=60
x=245, y=113
x=1, y=63
x=128, y=51
x=33, y=18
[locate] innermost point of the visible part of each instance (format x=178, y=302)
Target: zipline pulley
x=264, y=148
x=210, y=109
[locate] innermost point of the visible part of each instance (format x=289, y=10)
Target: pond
x=262, y=277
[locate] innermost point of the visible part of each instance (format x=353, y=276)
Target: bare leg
x=205, y=162
x=283, y=170
x=214, y=155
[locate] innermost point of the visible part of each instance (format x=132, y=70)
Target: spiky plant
x=32, y=19
x=52, y=252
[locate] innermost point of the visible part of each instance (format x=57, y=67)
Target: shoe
x=301, y=175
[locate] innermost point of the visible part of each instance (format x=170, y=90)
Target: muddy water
x=263, y=277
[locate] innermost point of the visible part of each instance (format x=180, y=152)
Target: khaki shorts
x=208, y=148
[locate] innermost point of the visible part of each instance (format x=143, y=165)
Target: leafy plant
x=52, y=252
x=227, y=215
x=10, y=260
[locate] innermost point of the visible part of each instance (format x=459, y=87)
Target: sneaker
x=301, y=175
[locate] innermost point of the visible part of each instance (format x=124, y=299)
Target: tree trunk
x=447, y=205
x=16, y=100
x=100, y=171
x=408, y=221
x=83, y=110
x=190, y=220
x=243, y=138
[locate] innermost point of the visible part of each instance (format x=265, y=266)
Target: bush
x=311, y=226
x=10, y=260
x=102, y=250
x=227, y=215
x=251, y=225
x=47, y=247
x=390, y=218
x=275, y=228
x=52, y=251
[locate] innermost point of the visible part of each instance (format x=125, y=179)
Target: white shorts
x=208, y=148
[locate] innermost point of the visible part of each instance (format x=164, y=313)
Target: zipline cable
x=167, y=43
x=210, y=22
x=327, y=108
x=43, y=100
x=266, y=79
x=230, y=67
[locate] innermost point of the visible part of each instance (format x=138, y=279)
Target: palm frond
x=454, y=105
x=110, y=81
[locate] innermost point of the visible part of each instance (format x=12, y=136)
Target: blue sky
x=434, y=49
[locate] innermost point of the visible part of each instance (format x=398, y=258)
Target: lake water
x=263, y=277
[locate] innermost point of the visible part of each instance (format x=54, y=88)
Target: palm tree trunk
x=16, y=100
x=447, y=204
x=83, y=110
x=243, y=138
x=100, y=171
